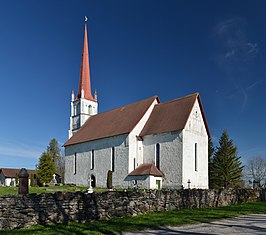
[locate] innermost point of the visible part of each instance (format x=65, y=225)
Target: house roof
x=146, y=169
x=114, y=122
x=172, y=115
x=12, y=172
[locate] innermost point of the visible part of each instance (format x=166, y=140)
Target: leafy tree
x=256, y=166
x=226, y=167
x=46, y=168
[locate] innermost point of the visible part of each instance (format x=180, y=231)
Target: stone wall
x=17, y=211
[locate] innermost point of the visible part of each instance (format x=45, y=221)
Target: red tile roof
x=172, y=115
x=11, y=172
x=146, y=169
x=114, y=122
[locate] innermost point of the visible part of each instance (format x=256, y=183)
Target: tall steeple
x=84, y=105
x=84, y=82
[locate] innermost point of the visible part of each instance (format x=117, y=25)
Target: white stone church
x=146, y=144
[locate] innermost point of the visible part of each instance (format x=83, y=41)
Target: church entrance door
x=93, y=181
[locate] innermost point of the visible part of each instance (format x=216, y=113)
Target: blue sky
x=138, y=49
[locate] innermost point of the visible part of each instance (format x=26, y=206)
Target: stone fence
x=17, y=211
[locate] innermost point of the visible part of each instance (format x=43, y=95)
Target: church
x=147, y=144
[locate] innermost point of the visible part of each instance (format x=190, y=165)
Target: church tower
x=84, y=104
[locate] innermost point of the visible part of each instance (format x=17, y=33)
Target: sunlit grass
x=51, y=189
x=152, y=220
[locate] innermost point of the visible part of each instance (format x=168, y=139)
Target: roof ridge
x=155, y=97
x=181, y=98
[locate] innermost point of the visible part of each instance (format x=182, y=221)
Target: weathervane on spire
x=86, y=18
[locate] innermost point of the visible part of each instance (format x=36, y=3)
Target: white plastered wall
x=195, y=133
x=135, y=146
x=170, y=156
x=102, y=161
x=81, y=110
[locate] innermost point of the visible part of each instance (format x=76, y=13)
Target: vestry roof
x=172, y=115
x=114, y=122
x=146, y=169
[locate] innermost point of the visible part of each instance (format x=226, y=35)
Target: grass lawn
x=50, y=189
x=152, y=220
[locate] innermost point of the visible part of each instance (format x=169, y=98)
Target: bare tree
x=257, y=168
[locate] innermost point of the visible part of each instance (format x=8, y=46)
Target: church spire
x=84, y=90
x=84, y=105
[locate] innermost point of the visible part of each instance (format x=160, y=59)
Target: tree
x=211, y=151
x=109, y=179
x=57, y=157
x=226, y=165
x=32, y=180
x=46, y=168
x=53, y=149
x=60, y=166
x=16, y=179
x=256, y=166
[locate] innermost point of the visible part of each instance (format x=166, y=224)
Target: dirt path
x=245, y=224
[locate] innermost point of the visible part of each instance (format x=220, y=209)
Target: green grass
x=152, y=220
x=50, y=189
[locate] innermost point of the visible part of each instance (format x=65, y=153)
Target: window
x=157, y=156
x=126, y=142
x=75, y=164
x=89, y=109
x=134, y=163
x=113, y=159
x=158, y=184
x=92, y=159
x=196, y=157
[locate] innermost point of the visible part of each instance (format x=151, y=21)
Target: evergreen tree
x=53, y=149
x=32, y=180
x=46, y=168
x=226, y=167
x=211, y=151
x=57, y=157
x=109, y=179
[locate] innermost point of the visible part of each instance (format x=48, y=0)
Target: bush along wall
x=17, y=211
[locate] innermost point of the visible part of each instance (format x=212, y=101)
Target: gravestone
x=23, y=186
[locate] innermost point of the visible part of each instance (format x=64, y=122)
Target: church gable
x=170, y=116
x=196, y=121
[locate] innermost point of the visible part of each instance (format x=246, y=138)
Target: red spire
x=84, y=82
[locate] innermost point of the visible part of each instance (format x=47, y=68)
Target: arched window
x=92, y=159
x=196, y=157
x=157, y=156
x=89, y=109
x=113, y=159
x=75, y=164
